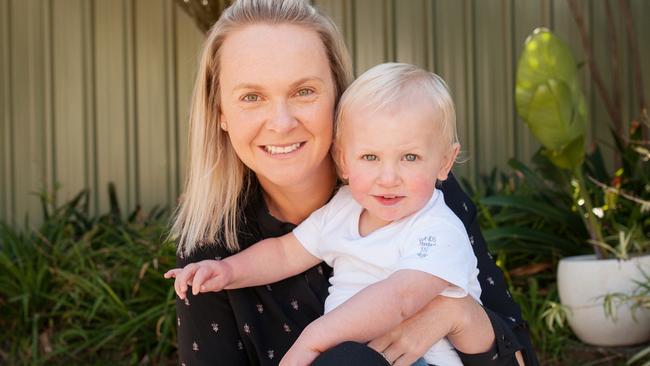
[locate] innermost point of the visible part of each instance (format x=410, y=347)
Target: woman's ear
x=448, y=161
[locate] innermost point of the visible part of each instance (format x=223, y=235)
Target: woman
x=270, y=75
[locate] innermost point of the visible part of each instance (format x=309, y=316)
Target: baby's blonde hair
x=387, y=85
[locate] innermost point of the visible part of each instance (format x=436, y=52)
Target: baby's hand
x=203, y=276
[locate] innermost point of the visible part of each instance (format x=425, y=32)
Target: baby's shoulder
x=438, y=217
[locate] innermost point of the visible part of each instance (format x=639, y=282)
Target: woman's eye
x=369, y=157
x=304, y=92
x=251, y=98
x=410, y=157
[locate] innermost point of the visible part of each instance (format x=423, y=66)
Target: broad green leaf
x=530, y=205
x=553, y=117
x=570, y=156
x=545, y=56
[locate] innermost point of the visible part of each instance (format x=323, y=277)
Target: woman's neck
x=294, y=203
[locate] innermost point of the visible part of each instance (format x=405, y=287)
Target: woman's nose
x=282, y=119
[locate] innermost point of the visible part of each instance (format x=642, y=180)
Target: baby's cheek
x=423, y=187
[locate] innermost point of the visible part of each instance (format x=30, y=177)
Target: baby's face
x=393, y=157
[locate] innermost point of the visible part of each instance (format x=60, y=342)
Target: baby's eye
x=410, y=157
x=369, y=157
x=251, y=98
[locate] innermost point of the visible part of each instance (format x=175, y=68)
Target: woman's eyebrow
x=306, y=79
x=246, y=86
x=296, y=83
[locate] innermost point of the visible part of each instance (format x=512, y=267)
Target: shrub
x=87, y=290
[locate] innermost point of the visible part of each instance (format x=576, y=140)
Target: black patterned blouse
x=257, y=325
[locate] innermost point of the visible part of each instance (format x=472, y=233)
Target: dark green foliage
x=87, y=290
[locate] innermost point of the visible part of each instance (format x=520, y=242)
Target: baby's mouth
x=388, y=200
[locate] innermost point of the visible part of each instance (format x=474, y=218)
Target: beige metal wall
x=96, y=91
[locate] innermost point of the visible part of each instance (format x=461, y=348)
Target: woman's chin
x=286, y=176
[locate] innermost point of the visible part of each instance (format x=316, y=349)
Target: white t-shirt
x=432, y=240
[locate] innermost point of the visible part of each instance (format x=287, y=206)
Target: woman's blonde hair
x=218, y=183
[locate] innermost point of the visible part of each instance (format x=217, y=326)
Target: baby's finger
x=182, y=279
x=212, y=284
x=172, y=273
x=200, y=277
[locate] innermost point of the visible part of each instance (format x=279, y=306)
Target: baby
x=393, y=243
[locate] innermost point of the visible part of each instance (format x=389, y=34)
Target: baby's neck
x=369, y=223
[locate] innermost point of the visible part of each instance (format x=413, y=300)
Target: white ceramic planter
x=583, y=281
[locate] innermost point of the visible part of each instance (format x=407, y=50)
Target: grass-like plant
x=84, y=289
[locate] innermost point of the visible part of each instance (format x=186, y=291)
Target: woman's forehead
x=268, y=51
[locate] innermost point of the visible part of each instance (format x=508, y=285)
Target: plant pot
x=583, y=281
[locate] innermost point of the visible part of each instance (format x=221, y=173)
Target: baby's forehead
x=401, y=109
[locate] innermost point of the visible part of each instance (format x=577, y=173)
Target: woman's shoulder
x=457, y=200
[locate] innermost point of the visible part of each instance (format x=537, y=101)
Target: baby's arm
x=370, y=313
x=267, y=261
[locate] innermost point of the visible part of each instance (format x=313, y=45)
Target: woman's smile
x=283, y=150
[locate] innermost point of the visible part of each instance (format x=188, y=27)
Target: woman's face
x=277, y=101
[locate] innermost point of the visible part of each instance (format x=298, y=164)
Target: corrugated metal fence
x=97, y=91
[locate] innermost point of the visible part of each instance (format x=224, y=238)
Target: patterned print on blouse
x=287, y=329
x=215, y=327
x=490, y=281
x=294, y=305
x=195, y=346
x=260, y=308
x=270, y=353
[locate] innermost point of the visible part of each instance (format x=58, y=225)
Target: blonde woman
x=261, y=126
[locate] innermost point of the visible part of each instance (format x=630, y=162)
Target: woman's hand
x=299, y=355
x=462, y=320
x=203, y=276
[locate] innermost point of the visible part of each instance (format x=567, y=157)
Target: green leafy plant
x=549, y=100
x=85, y=289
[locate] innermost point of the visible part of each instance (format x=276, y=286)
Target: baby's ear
x=339, y=160
x=448, y=161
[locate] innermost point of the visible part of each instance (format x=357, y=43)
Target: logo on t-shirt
x=425, y=243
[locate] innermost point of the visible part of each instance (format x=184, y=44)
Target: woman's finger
x=381, y=343
x=391, y=354
x=404, y=360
